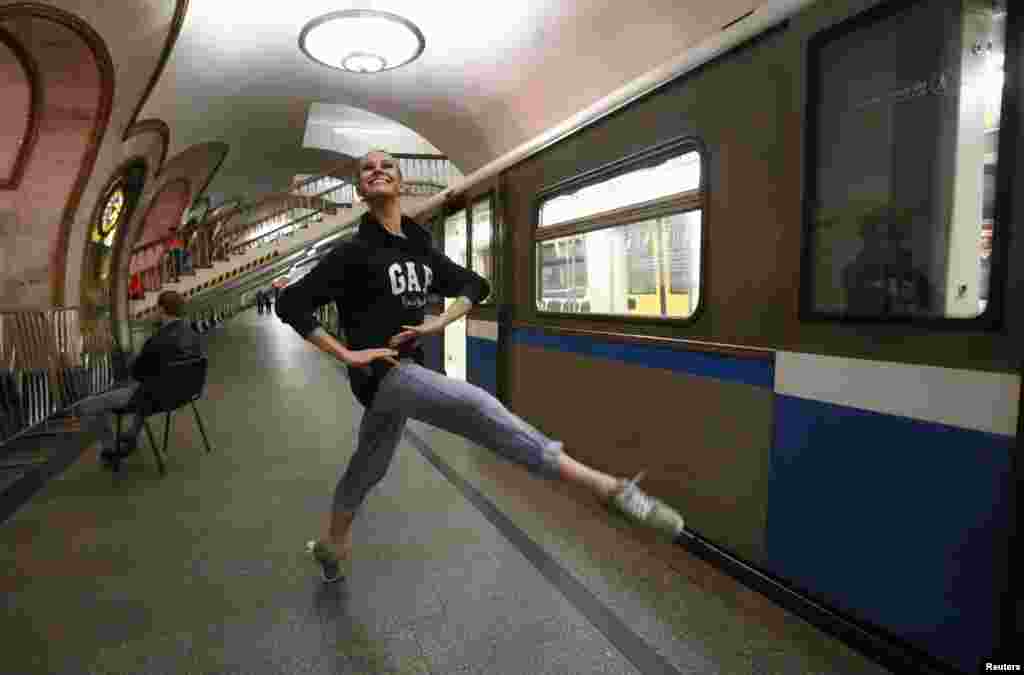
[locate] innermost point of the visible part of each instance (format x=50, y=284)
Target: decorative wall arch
x=173, y=197
x=180, y=10
x=197, y=165
x=152, y=126
x=28, y=138
x=199, y=210
x=105, y=71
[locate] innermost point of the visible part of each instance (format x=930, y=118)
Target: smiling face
x=379, y=176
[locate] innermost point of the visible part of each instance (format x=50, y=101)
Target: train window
x=552, y=269
x=456, y=228
x=579, y=268
x=482, y=261
x=903, y=161
x=645, y=269
x=641, y=261
x=625, y=244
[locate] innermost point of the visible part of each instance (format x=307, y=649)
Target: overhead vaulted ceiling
x=492, y=76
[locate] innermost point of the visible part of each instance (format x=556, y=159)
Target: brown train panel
x=698, y=438
x=748, y=110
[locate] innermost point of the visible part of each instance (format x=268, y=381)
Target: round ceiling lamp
x=361, y=40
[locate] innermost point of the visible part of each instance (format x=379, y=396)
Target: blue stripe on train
x=895, y=520
x=753, y=371
x=482, y=363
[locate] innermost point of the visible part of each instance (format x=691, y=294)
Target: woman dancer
x=380, y=280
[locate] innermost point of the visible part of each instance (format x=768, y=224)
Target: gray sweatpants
x=411, y=390
x=101, y=405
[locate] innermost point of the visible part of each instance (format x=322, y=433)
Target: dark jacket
x=380, y=283
x=174, y=341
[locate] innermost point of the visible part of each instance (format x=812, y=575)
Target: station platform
x=463, y=563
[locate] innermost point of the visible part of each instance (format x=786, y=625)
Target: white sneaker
x=644, y=509
x=330, y=566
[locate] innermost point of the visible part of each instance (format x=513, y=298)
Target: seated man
x=175, y=340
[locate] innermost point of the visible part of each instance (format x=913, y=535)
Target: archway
x=75, y=81
x=19, y=116
x=165, y=211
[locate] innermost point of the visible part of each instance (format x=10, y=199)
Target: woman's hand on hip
x=362, y=358
x=428, y=327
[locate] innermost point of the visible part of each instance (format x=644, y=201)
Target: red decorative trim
x=155, y=126
x=150, y=244
x=172, y=38
x=105, y=66
x=28, y=142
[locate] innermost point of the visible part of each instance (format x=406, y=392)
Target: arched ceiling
x=493, y=75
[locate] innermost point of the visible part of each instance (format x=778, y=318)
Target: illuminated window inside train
x=483, y=255
x=672, y=175
x=629, y=245
x=651, y=269
x=904, y=162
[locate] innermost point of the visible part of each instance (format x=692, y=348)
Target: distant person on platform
x=265, y=295
x=380, y=280
x=174, y=340
x=177, y=253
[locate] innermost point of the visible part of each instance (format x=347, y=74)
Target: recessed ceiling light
x=361, y=130
x=361, y=40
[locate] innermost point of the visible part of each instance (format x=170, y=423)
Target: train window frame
x=992, y=317
x=434, y=225
x=687, y=201
x=488, y=197
x=463, y=204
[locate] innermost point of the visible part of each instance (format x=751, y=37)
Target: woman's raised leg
x=467, y=410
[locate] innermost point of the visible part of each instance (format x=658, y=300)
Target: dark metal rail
x=49, y=359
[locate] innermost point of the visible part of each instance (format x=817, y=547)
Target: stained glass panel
x=105, y=230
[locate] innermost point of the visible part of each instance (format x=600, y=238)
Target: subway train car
x=783, y=275
x=785, y=283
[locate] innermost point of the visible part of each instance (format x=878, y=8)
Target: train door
x=455, y=332
x=562, y=281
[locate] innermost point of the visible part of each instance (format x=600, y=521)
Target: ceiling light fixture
x=361, y=130
x=361, y=40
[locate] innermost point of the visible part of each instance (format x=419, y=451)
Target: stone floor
x=464, y=563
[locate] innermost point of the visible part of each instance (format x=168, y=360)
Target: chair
x=180, y=383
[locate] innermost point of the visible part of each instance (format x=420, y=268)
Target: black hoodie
x=380, y=282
